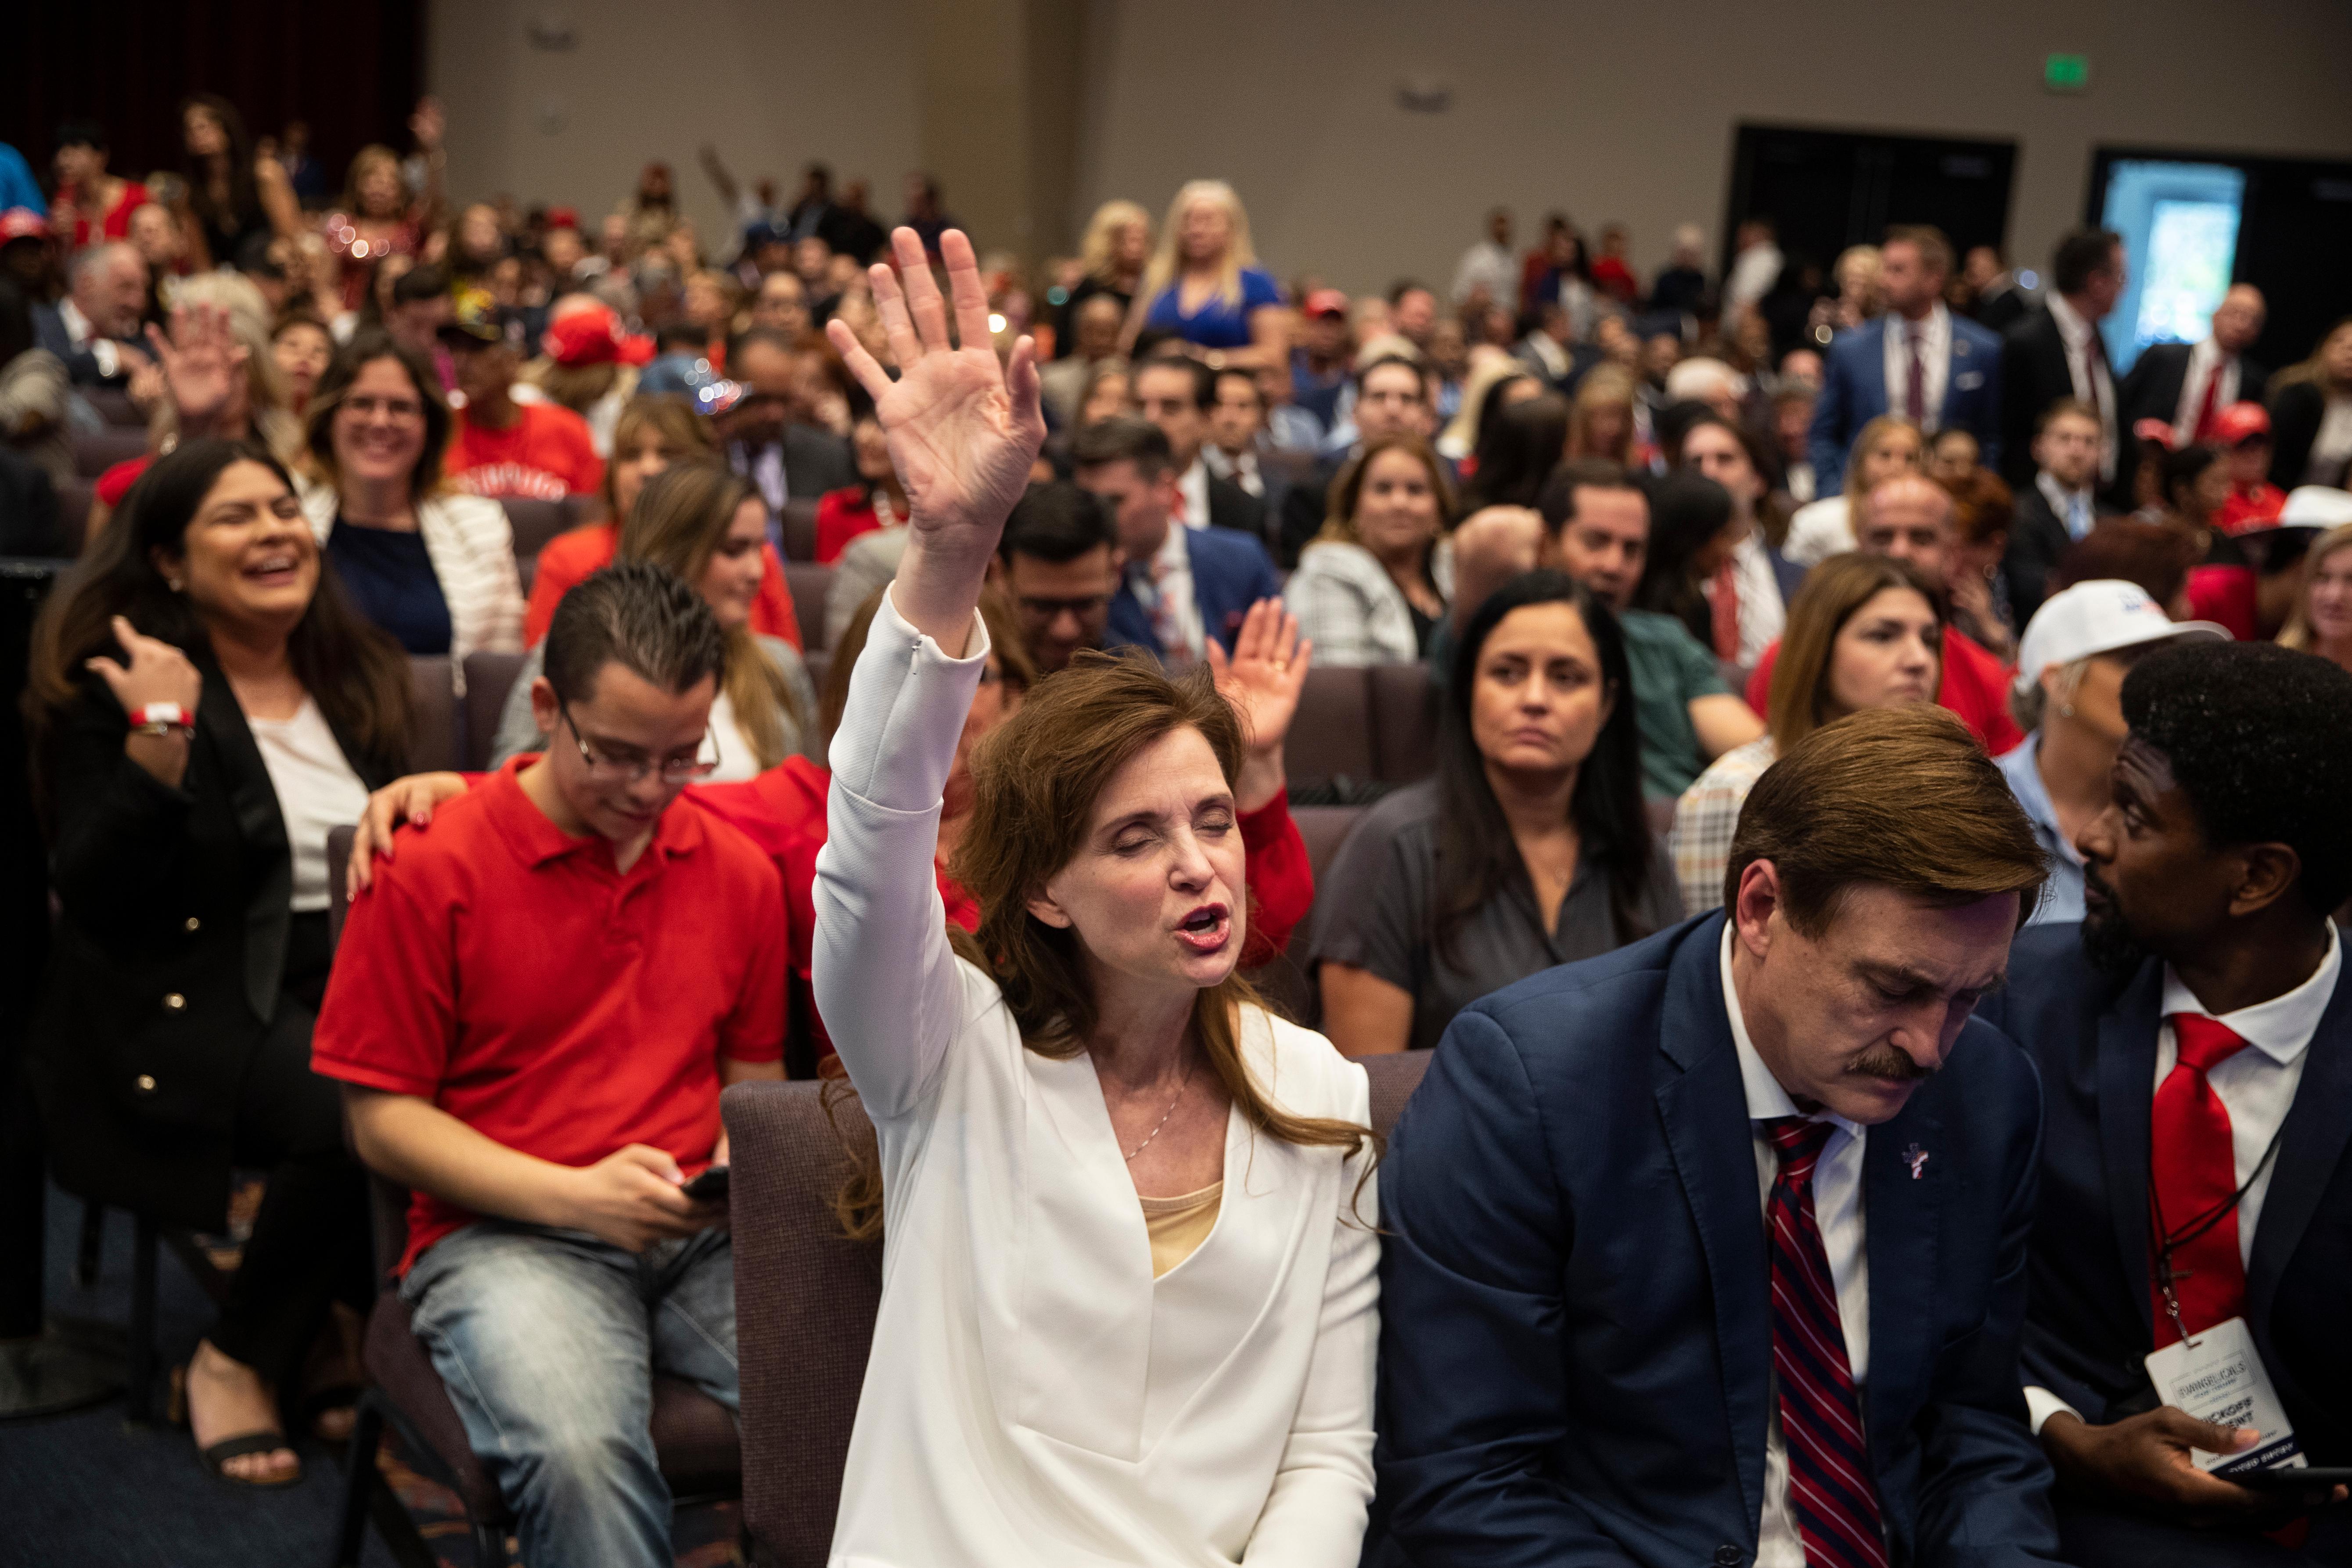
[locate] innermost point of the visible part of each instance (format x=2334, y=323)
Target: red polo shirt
x=1974, y=686
x=514, y=977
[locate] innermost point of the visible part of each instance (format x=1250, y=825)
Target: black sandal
x=227, y=1449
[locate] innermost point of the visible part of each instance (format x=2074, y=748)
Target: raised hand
x=1262, y=680
x=156, y=672
x=202, y=367
x=427, y=123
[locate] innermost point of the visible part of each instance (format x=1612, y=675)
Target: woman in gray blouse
x=1530, y=847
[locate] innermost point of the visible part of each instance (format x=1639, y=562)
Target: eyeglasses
x=399, y=410
x=674, y=769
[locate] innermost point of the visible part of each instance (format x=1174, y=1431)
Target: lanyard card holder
x=2216, y=1375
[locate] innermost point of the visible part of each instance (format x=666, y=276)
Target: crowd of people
x=1888, y=768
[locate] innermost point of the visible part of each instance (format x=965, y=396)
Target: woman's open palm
x=963, y=429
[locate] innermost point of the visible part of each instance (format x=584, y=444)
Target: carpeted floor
x=92, y=1489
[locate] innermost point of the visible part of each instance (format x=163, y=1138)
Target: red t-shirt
x=1974, y=686
x=570, y=558
x=2249, y=509
x=116, y=222
x=546, y=455
x=510, y=974
x=841, y=516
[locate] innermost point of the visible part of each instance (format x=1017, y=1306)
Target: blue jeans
x=549, y=1341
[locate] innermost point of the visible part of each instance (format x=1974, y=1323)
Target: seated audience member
x=1911, y=519
x=1692, y=527
x=1593, y=523
x=651, y=434
x=1204, y=285
x=93, y=204
x=2322, y=619
x=705, y=527
x=433, y=569
x=1058, y=562
x=1667, y=1232
x=1983, y=511
x=205, y=706
x=304, y=348
x=1519, y=447
x=544, y=1111
x=498, y=447
x=95, y=328
x=877, y=502
x=1887, y=446
x=1530, y=847
x=1373, y=587
x=763, y=440
x=1237, y=418
x=2223, y=584
x=1178, y=588
x=1748, y=594
x=2241, y=434
x=2191, y=1036
x=1392, y=399
x=2059, y=507
x=1952, y=456
x=1606, y=417
x=1178, y=396
x=2311, y=414
x=1095, y=326
x=1864, y=632
x=2068, y=698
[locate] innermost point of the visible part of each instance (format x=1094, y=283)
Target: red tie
x=2192, y=1176
x=1830, y=1486
x=1914, y=390
x=1723, y=610
x=2205, y=405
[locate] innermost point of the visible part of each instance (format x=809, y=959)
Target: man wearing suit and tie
x=2194, y=1040
x=2186, y=385
x=2056, y=352
x=1713, y=1251
x=1177, y=394
x=1918, y=360
x=1179, y=587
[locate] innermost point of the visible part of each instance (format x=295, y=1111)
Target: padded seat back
x=798, y=524
x=434, y=743
x=489, y=678
x=1404, y=721
x=95, y=451
x=808, y=583
x=1331, y=735
x=535, y=521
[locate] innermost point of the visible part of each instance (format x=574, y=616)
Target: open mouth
x=1206, y=928
x=278, y=567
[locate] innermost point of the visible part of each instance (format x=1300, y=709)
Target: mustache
x=1889, y=1064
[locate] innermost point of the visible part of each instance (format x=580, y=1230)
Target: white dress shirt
x=1169, y=573
x=316, y=791
x=2074, y=507
x=1035, y=1396
x=2093, y=382
x=2256, y=1085
x=1837, y=1210
x=1753, y=272
x=1193, y=483
x=1241, y=470
x=2206, y=361
x=1762, y=614
x=1935, y=363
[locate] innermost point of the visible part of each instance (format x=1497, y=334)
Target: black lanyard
x=2164, y=1242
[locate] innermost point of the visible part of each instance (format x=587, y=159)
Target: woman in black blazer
x=2301, y=397
x=205, y=705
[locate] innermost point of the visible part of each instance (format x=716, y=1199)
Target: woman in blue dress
x=1205, y=286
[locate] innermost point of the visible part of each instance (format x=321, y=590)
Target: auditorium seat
x=1394, y=1077
x=489, y=678
x=95, y=451
x=113, y=405
x=1331, y=736
x=433, y=743
x=75, y=497
x=694, y=1435
x=535, y=521
x=1283, y=980
x=808, y=583
x=799, y=526
x=1404, y=722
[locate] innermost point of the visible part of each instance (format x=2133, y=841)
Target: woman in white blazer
x=1129, y=1278
x=433, y=567
x=1374, y=585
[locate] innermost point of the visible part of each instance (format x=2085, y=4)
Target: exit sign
x=2066, y=73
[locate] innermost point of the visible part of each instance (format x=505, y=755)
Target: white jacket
x=471, y=546
x=1034, y=1398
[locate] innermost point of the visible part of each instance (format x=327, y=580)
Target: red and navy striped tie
x=1830, y=1489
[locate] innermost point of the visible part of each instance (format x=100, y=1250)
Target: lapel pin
x=1916, y=1157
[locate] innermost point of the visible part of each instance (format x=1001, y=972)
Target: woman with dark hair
x=1750, y=593
x=232, y=195
x=1518, y=447
x=204, y=706
x=1693, y=527
x=2221, y=584
x=1530, y=847
x=434, y=567
x=876, y=501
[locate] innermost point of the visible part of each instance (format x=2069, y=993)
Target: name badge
x=2217, y=1376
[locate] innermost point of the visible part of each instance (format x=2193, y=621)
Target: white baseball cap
x=2315, y=506
x=2096, y=617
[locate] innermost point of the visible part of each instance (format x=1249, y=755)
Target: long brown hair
x=1035, y=780
x=679, y=520
x=680, y=429
x=367, y=346
x=354, y=672
x=1832, y=592
x=1348, y=489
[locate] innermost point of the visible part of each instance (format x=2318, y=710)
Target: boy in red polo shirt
x=533, y=1012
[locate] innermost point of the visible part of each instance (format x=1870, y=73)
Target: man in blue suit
x=2195, y=1043
x=1919, y=360
x=1180, y=588
x=1713, y=1251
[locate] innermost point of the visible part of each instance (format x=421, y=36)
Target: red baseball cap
x=1326, y=302
x=23, y=222
x=594, y=337
x=563, y=217
x=2241, y=422
x=2157, y=430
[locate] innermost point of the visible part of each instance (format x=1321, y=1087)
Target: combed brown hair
x=681, y=518
x=680, y=429
x=1904, y=797
x=1834, y=591
x=1935, y=250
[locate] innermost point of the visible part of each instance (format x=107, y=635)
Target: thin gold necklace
x=1183, y=1085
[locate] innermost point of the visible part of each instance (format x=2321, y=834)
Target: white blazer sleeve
x=1315, y=1516
x=886, y=978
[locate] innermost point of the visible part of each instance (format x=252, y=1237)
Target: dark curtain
x=352, y=68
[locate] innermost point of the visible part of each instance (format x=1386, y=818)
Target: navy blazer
x=1231, y=572
x=1576, y=1329
x=1855, y=393
x=2091, y=1322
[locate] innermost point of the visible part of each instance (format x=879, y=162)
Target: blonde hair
x=681, y=518
x=1488, y=371
x=1102, y=235
x=1611, y=385
x=365, y=160
x=1866, y=442
x=1165, y=262
x=270, y=401
x=2297, y=633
